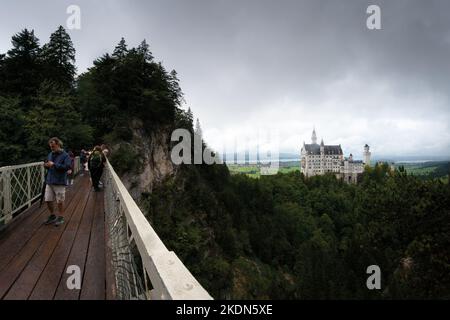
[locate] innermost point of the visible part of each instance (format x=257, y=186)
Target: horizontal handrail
x=169, y=278
x=25, y=165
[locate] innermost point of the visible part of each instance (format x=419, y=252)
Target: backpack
x=96, y=160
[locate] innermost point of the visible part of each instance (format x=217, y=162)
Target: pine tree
x=20, y=70
x=174, y=85
x=143, y=49
x=120, y=50
x=59, y=59
x=190, y=116
x=198, y=129
x=25, y=46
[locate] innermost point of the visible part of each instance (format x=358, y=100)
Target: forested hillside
x=40, y=97
x=285, y=237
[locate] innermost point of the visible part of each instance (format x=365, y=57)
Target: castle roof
x=314, y=148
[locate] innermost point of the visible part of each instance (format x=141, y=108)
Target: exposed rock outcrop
x=153, y=151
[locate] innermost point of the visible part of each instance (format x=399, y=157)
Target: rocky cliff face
x=155, y=164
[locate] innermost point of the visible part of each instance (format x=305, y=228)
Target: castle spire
x=314, y=136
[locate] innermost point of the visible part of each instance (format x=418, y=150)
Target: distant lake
x=413, y=161
x=261, y=160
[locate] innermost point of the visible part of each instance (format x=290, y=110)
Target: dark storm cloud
x=285, y=65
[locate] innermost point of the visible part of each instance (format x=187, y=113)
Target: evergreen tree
x=59, y=59
x=198, y=129
x=190, y=116
x=54, y=114
x=143, y=49
x=128, y=85
x=175, y=89
x=25, y=46
x=120, y=50
x=20, y=73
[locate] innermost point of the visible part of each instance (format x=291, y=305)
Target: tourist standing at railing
x=96, y=163
x=58, y=164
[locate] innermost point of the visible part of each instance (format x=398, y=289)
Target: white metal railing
x=143, y=267
x=21, y=185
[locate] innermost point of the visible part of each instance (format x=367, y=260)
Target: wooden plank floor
x=34, y=257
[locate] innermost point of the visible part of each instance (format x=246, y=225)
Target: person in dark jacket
x=58, y=165
x=96, y=163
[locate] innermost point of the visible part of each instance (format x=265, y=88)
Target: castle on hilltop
x=320, y=159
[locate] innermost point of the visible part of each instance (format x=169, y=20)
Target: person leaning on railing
x=58, y=165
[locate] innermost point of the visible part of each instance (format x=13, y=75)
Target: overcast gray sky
x=282, y=66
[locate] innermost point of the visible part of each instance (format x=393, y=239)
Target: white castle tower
x=366, y=155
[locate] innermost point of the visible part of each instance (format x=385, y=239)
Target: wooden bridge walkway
x=118, y=253
x=34, y=257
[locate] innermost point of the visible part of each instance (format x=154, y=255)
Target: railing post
x=29, y=186
x=42, y=175
x=76, y=165
x=7, y=195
